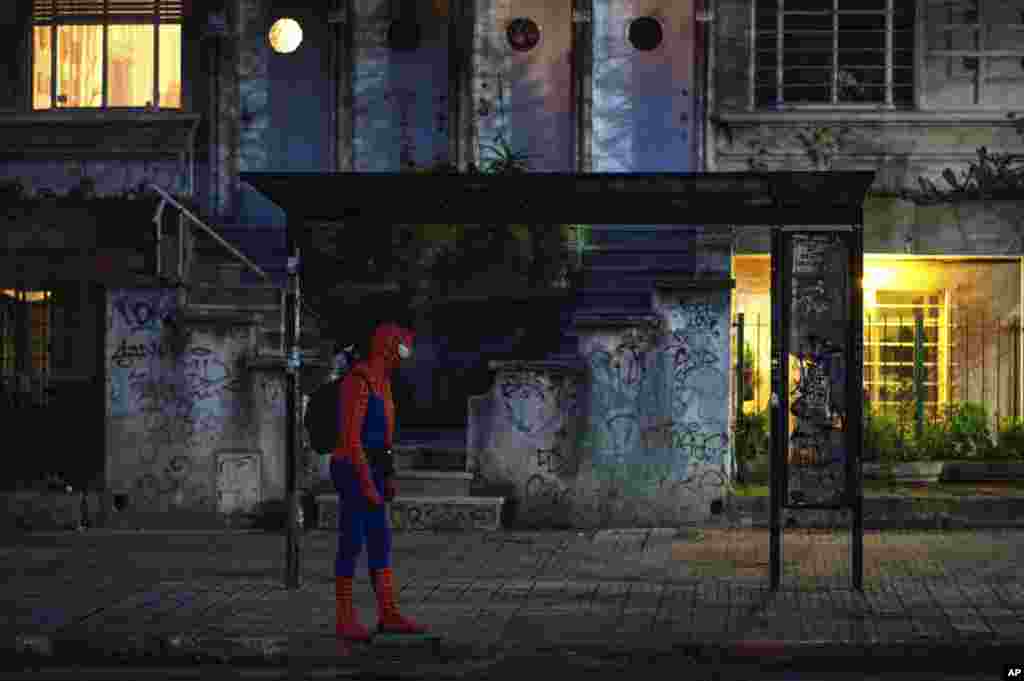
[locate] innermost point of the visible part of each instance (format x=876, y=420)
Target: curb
x=173, y=650
x=891, y=513
x=179, y=649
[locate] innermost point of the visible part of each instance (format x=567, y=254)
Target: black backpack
x=322, y=414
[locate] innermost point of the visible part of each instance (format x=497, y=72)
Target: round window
x=645, y=33
x=285, y=35
x=404, y=35
x=523, y=34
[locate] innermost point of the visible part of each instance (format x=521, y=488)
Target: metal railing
x=943, y=362
x=195, y=220
x=167, y=198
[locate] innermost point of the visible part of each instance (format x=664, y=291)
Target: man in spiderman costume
x=362, y=469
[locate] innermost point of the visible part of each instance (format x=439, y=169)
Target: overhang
x=778, y=198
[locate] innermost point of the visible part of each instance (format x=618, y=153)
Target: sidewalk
x=178, y=598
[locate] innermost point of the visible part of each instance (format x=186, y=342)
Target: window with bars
x=37, y=303
x=890, y=327
x=833, y=53
x=106, y=53
x=978, y=44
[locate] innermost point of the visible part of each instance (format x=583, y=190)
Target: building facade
x=188, y=94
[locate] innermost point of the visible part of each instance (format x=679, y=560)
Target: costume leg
x=351, y=531
x=378, y=544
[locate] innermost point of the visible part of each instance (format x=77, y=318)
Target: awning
x=779, y=198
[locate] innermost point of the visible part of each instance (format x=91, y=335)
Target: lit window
x=890, y=332
x=136, y=43
x=38, y=303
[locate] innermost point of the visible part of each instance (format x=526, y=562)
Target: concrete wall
x=300, y=93
x=401, y=97
x=112, y=176
x=187, y=425
x=900, y=145
x=639, y=437
x=536, y=85
x=643, y=100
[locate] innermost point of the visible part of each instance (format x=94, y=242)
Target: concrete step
x=890, y=513
x=433, y=483
x=623, y=301
x=207, y=293
x=979, y=471
x=427, y=513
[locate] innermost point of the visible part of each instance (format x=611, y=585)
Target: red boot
x=347, y=626
x=388, y=619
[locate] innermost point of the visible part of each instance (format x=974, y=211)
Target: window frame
x=887, y=105
x=156, y=20
x=942, y=346
x=978, y=28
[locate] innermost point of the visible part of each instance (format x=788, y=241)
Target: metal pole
x=778, y=415
x=918, y=374
x=739, y=389
x=855, y=409
x=293, y=448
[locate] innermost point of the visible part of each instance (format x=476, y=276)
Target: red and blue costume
x=362, y=470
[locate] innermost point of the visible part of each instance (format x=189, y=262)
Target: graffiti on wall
x=548, y=499
x=625, y=398
x=238, y=480
x=816, y=453
x=169, y=391
x=427, y=516
x=533, y=403
x=700, y=384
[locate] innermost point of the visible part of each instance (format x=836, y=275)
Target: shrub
x=968, y=431
x=884, y=440
x=752, y=438
x=1009, y=440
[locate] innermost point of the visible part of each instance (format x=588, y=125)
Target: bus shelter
x=816, y=220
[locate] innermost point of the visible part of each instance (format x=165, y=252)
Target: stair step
x=610, y=299
x=432, y=457
x=205, y=293
x=433, y=483
x=427, y=513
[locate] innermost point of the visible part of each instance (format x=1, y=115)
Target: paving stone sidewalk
x=220, y=596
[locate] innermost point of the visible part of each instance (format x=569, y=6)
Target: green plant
x=932, y=445
x=969, y=433
x=752, y=438
x=1009, y=440
x=884, y=440
x=994, y=176
x=750, y=386
x=822, y=144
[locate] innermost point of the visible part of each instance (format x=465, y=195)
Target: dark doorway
x=51, y=390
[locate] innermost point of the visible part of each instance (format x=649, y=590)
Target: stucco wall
x=111, y=176
x=179, y=405
x=643, y=102
x=401, y=97
x=536, y=84
x=640, y=437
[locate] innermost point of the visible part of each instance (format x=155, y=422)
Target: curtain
x=129, y=65
x=79, y=66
